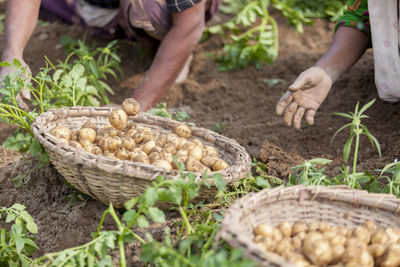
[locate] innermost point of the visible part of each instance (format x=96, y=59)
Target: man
x=363, y=24
x=177, y=24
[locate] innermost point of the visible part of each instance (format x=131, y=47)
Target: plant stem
x=355, y=158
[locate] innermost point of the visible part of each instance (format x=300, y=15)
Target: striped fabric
x=180, y=5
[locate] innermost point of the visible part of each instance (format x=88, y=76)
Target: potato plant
x=322, y=244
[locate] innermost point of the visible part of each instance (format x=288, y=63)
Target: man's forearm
x=171, y=56
x=21, y=18
x=348, y=46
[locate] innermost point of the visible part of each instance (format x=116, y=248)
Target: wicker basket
x=116, y=181
x=336, y=205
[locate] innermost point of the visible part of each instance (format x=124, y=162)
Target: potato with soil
x=131, y=106
x=183, y=130
x=118, y=119
x=87, y=133
x=61, y=132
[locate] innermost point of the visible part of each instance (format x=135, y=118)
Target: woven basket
x=336, y=205
x=116, y=181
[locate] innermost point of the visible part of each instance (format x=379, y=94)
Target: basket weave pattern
x=116, y=181
x=336, y=205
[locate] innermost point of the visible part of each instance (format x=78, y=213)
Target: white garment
x=385, y=32
x=95, y=16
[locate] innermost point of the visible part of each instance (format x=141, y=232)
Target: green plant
x=16, y=245
x=308, y=173
x=252, y=34
x=218, y=127
x=76, y=81
x=392, y=178
x=356, y=130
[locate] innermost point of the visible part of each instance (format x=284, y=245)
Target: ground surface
x=240, y=100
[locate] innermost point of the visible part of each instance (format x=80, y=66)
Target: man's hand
x=305, y=96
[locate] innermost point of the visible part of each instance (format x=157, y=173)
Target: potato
x=379, y=237
x=156, y=149
x=314, y=226
x=138, y=137
x=317, y=249
x=118, y=119
x=267, y=243
x=219, y=165
x=113, y=143
x=376, y=250
x=162, y=164
x=172, y=138
x=166, y=156
x=142, y=158
x=338, y=240
x=391, y=258
x=194, y=165
x=362, y=260
x=180, y=142
x=75, y=144
x=90, y=148
x=209, y=150
x=170, y=148
x=161, y=140
x=85, y=142
x=130, y=132
x=394, y=234
x=362, y=234
x=283, y=245
x=286, y=228
x=297, y=241
x=198, y=143
x=130, y=125
x=189, y=146
x=110, y=132
x=264, y=230
x=90, y=125
x=371, y=226
x=196, y=152
x=148, y=146
x=74, y=136
x=148, y=136
x=342, y=230
x=131, y=106
x=182, y=153
x=121, y=134
x=87, y=133
x=183, y=130
x=122, y=154
x=154, y=156
x=324, y=227
x=337, y=253
x=61, y=132
x=128, y=143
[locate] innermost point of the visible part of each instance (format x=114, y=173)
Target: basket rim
x=126, y=167
x=231, y=225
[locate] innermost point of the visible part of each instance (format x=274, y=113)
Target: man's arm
x=311, y=87
x=21, y=19
x=174, y=51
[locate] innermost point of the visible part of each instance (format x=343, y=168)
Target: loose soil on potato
x=240, y=101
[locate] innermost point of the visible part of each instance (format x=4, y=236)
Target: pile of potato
x=322, y=244
x=127, y=141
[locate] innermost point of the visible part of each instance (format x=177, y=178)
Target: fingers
x=297, y=117
x=310, y=116
x=289, y=112
x=283, y=102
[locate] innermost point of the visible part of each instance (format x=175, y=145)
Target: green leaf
x=5, y=64
x=320, y=161
x=128, y=216
x=261, y=182
x=19, y=243
x=142, y=222
x=150, y=196
x=10, y=217
x=156, y=214
x=57, y=74
x=347, y=148
x=130, y=203
x=220, y=183
x=366, y=106
x=35, y=148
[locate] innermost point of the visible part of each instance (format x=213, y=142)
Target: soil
x=240, y=101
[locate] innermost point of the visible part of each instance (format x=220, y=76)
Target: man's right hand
x=304, y=96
